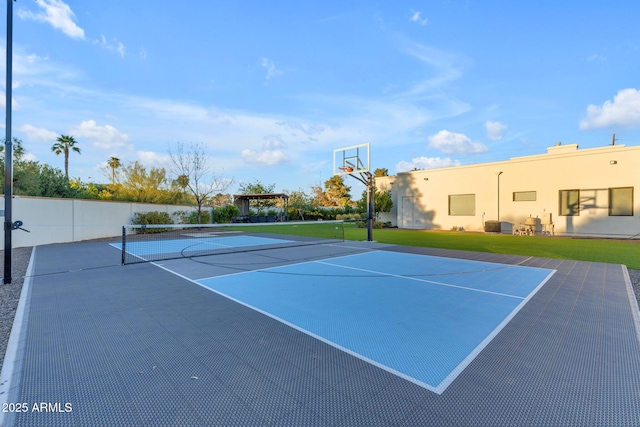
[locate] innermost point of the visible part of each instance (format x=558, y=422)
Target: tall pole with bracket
x=355, y=162
x=8, y=150
x=367, y=179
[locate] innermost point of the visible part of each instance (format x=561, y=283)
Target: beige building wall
x=421, y=198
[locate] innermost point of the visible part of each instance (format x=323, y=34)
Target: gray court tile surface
x=137, y=345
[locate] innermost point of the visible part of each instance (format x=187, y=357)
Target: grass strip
x=580, y=249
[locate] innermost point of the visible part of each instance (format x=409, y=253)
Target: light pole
x=8, y=152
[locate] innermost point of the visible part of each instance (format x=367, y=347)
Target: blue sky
x=271, y=88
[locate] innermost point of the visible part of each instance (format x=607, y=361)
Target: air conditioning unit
x=492, y=226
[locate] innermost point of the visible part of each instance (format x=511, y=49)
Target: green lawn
x=598, y=250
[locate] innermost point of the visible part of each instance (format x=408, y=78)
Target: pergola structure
x=243, y=202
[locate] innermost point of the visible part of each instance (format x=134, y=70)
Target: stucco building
x=567, y=191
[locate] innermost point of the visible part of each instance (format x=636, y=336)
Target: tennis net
x=143, y=243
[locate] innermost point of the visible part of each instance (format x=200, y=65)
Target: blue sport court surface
x=421, y=317
x=331, y=334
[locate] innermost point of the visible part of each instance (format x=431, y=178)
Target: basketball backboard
x=348, y=160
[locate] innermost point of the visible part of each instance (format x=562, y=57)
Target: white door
x=407, y=212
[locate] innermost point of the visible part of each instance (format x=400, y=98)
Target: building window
x=621, y=201
x=462, y=205
x=524, y=196
x=569, y=202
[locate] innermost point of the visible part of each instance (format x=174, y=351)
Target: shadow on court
x=146, y=344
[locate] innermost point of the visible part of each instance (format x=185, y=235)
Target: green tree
x=299, y=202
x=382, y=202
x=320, y=197
x=381, y=172
x=141, y=185
x=31, y=178
x=221, y=200
x=337, y=191
x=54, y=184
x=17, y=149
x=64, y=145
x=114, y=163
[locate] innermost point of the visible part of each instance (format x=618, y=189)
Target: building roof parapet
x=552, y=152
x=571, y=150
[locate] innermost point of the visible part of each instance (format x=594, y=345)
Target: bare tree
x=189, y=165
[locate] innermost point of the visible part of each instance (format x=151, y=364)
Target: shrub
x=191, y=217
x=154, y=217
x=225, y=214
x=149, y=218
x=348, y=216
x=376, y=224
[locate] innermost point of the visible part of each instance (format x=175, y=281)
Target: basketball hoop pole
x=367, y=179
x=371, y=188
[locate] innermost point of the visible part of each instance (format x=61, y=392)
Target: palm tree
x=65, y=142
x=114, y=163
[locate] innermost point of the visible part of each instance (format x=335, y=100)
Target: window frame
x=561, y=211
x=611, y=207
x=534, y=199
x=465, y=213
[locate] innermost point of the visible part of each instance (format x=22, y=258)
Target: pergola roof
x=269, y=196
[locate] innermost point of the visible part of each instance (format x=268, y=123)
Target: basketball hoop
x=346, y=168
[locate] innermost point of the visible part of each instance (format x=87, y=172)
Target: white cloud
x=272, y=152
x=38, y=134
x=3, y=101
x=294, y=127
x=170, y=110
x=265, y=157
x=115, y=47
x=56, y=13
x=31, y=69
x=30, y=157
x=596, y=57
x=624, y=111
x=426, y=163
x=273, y=141
x=445, y=66
x=103, y=137
x=270, y=67
x=455, y=143
x=417, y=17
x=151, y=158
x=495, y=130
